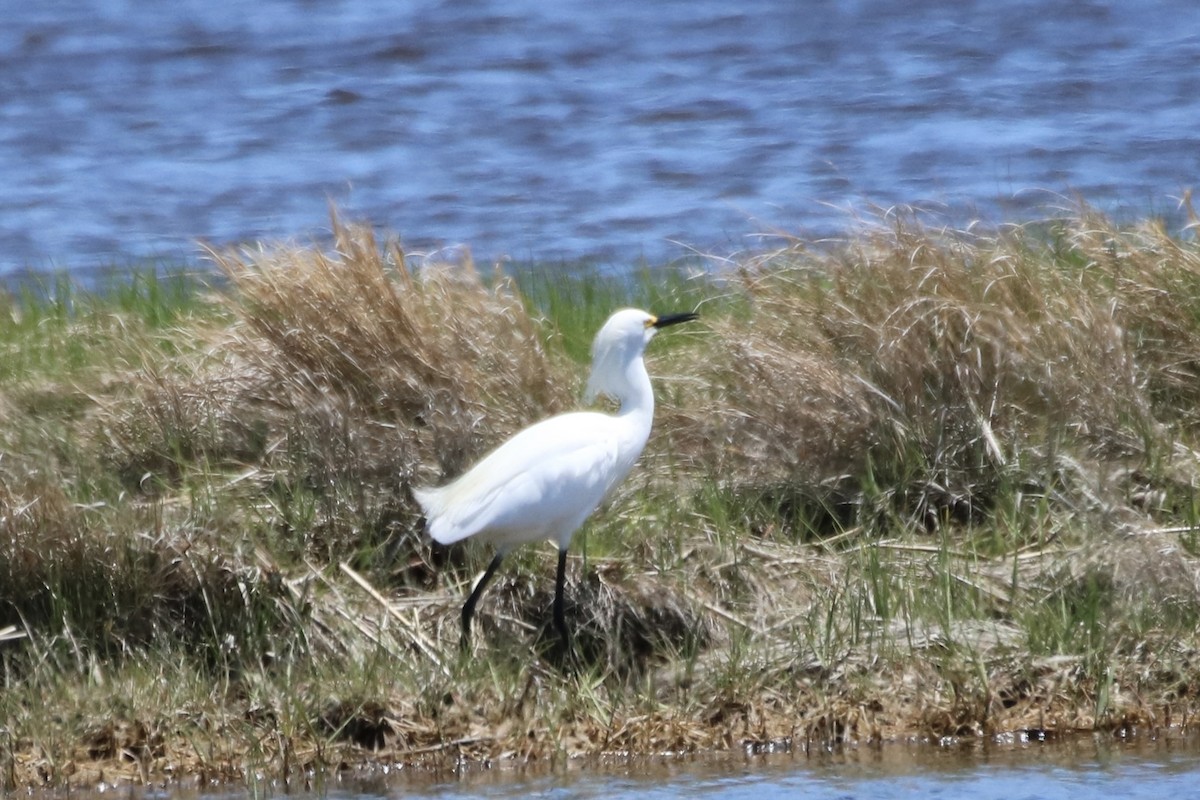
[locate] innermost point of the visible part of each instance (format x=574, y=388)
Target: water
x=616, y=130
x=1083, y=767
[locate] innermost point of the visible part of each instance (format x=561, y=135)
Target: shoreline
x=355, y=770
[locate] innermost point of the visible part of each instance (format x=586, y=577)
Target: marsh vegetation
x=914, y=483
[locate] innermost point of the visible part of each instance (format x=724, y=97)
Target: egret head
x=619, y=344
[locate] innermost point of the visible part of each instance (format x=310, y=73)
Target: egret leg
x=560, y=621
x=469, y=608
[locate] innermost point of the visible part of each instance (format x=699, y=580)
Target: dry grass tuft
x=105, y=584
x=165, y=425
x=348, y=364
x=437, y=351
x=1151, y=282
x=935, y=366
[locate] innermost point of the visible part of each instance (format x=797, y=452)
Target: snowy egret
x=545, y=481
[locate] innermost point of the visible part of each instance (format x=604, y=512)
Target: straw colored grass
x=931, y=369
x=329, y=345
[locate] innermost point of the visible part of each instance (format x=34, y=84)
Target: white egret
x=545, y=481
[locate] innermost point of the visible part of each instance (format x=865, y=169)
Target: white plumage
x=540, y=484
x=545, y=481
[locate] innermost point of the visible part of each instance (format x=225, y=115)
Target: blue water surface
x=618, y=130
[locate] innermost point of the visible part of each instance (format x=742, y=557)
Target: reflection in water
x=1144, y=767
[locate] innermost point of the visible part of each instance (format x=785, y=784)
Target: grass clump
x=918, y=483
x=927, y=373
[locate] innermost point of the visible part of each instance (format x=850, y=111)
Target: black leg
x=469, y=609
x=560, y=621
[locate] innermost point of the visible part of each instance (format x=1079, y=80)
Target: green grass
x=575, y=300
x=52, y=330
x=923, y=484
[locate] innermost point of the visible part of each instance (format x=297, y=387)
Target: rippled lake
x=541, y=130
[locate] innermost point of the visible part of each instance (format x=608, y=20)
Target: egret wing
x=542, y=483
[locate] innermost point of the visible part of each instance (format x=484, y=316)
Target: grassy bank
x=912, y=484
